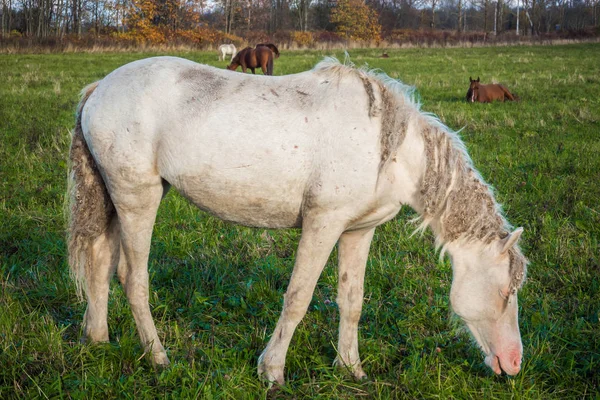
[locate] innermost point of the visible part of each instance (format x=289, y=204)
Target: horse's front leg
x=252, y=69
x=353, y=250
x=319, y=235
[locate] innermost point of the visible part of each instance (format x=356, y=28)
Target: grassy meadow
x=216, y=289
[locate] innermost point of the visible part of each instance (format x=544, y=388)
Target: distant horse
x=487, y=93
x=251, y=58
x=158, y=123
x=273, y=48
x=226, y=49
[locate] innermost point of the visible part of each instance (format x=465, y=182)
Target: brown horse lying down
x=487, y=93
x=253, y=58
x=273, y=48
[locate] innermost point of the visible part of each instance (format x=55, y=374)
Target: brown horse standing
x=487, y=93
x=253, y=58
x=273, y=48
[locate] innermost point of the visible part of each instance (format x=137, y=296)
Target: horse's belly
x=270, y=205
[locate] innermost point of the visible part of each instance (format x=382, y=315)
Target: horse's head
x=235, y=62
x=473, y=92
x=486, y=277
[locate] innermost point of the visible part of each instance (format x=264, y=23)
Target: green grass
x=217, y=288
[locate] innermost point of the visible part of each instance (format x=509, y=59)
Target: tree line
x=305, y=20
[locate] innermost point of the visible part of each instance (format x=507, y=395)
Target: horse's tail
x=270, y=64
x=90, y=209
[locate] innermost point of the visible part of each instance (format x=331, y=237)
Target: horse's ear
x=477, y=79
x=511, y=239
x=470, y=79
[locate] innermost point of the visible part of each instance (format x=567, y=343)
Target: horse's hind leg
x=137, y=206
x=318, y=238
x=507, y=95
x=353, y=250
x=105, y=257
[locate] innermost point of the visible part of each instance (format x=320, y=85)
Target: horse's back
x=496, y=92
x=507, y=93
x=143, y=92
x=216, y=136
x=264, y=51
x=125, y=116
x=271, y=46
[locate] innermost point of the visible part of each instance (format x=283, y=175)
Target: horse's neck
x=450, y=195
x=407, y=165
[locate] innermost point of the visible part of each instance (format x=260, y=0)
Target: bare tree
x=459, y=10
x=7, y=11
x=433, y=4
x=301, y=7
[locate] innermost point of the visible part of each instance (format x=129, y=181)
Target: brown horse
x=487, y=93
x=273, y=48
x=253, y=58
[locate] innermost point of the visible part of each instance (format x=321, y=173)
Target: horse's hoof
x=271, y=374
x=360, y=376
x=94, y=339
x=355, y=369
x=96, y=335
x=160, y=360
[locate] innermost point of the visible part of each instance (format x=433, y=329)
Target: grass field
x=217, y=288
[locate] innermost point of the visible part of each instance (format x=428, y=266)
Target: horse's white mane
x=334, y=66
x=407, y=93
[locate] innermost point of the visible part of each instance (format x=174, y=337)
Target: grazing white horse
x=338, y=153
x=226, y=49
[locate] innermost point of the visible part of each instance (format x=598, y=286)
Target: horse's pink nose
x=512, y=364
x=516, y=364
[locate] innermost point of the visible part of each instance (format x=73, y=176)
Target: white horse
x=340, y=151
x=226, y=49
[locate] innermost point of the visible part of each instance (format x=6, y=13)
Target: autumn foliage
x=128, y=24
x=355, y=20
x=161, y=21
x=131, y=24
x=302, y=38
